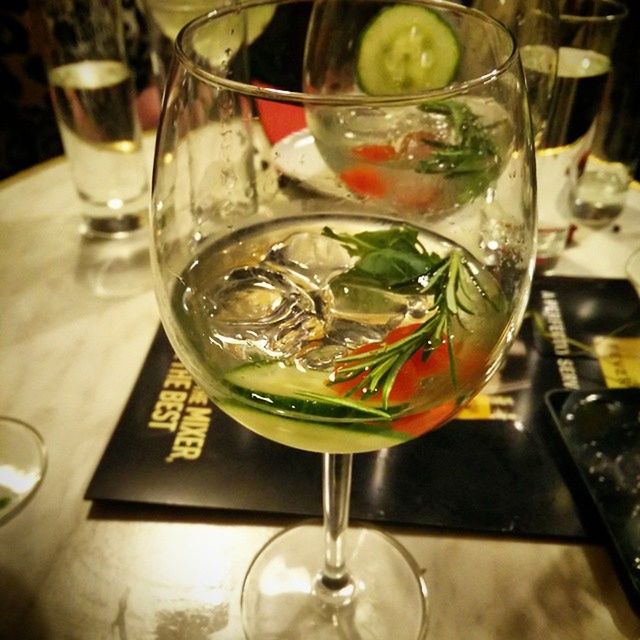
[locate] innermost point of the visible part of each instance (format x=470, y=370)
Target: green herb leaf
x=387, y=268
x=360, y=244
x=473, y=154
x=449, y=280
x=388, y=259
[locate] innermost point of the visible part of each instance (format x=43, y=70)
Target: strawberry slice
x=365, y=181
x=419, y=423
x=374, y=152
x=406, y=381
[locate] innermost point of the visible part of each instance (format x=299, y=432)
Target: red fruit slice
x=424, y=421
x=374, y=152
x=365, y=181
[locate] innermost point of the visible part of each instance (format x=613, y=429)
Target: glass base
x=283, y=596
x=112, y=227
x=115, y=267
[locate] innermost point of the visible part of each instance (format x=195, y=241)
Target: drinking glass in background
x=588, y=30
x=599, y=195
x=23, y=461
x=166, y=17
x=93, y=95
x=535, y=26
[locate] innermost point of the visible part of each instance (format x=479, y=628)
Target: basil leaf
x=387, y=268
x=361, y=244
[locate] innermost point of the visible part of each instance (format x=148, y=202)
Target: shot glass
x=93, y=95
x=587, y=35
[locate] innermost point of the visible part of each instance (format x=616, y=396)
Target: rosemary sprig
x=449, y=280
x=472, y=156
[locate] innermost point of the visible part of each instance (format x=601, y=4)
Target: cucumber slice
x=278, y=388
x=406, y=49
x=313, y=436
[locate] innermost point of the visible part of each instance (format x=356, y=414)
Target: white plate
x=297, y=157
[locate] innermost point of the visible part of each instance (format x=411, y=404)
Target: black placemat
x=492, y=472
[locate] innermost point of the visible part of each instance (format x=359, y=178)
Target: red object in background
x=279, y=119
x=148, y=103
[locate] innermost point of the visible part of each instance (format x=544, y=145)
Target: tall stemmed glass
x=535, y=25
x=343, y=228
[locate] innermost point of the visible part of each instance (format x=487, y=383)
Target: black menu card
x=492, y=470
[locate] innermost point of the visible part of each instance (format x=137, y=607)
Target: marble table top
x=74, y=571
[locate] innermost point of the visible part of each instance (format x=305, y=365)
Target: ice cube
x=323, y=356
x=358, y=314
x=310, y=259
x=256, y=311
x=392, y=126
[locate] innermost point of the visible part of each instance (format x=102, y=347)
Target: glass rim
x=40, y=447
x=616, y=12
x=37, y=436
x=303, y=97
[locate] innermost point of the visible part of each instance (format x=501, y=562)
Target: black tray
x=599, y=435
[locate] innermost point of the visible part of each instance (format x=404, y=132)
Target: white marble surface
x=68, y=361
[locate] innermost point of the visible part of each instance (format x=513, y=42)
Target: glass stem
x=336, y=490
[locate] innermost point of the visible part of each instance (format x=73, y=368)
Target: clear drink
x=582, y=76
x=312, y=319
x=430, y=157
x=94, y=106
x=272, y=317
x=580, y=84
x=600, y=194
x=540, y=67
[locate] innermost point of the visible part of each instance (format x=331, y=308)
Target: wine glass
x=343, y=235
x=165, y=18
x=23, y=462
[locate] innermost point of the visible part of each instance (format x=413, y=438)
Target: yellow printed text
x=191, y=434
x=619, y=359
